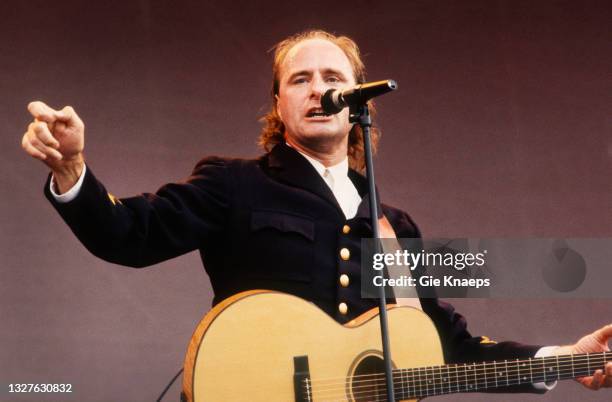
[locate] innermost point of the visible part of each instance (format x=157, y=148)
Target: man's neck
x=328, y=157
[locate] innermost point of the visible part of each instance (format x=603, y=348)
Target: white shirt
x=336, y=178
x=70, y=194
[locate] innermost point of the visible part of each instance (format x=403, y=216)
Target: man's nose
x=318, y=87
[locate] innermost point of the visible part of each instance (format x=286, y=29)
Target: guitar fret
x=495, y=369
x=433, y=379
x=486, y=384
x=428, y=374
x=401, y=384
x=566, y=362
x=522, y=371
x=450, y=382
x=588, y=364
x=552, y=361
x=518, y=372
x=441, y=380
x=506, y=365
x=421, y=381
x=406, y=383
x=583, y=369
x=397, y=382
x=428, y=379
x=433, y=375
x=457, y=377
x=412, y=382
x=539, y=377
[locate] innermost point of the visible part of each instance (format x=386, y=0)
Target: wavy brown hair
x=273, y=131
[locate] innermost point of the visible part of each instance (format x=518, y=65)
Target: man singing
x=291, y=220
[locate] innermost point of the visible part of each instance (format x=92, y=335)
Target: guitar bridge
x=301, y=379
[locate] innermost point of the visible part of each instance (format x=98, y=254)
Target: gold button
x=343, y=308
x=345, y=254
x=346, y=229
x=344, y=280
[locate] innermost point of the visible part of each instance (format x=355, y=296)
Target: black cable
x=169, y=385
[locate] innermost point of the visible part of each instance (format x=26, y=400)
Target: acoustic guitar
x=262, y=346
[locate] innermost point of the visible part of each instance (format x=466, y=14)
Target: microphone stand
x=361, y=115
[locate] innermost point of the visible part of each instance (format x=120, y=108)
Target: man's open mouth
x=317, y=112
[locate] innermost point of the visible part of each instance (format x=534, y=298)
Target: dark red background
x=501, y=127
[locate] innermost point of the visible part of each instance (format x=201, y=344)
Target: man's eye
x=300, y=80
x=333, y=79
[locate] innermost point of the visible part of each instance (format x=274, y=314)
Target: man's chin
x=323, y=136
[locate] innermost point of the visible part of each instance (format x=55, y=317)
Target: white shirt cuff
x=545, y=352
x=70, y=194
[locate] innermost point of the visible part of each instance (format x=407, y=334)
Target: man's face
x=311, y=68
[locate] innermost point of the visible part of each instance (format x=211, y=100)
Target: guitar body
x=244, y=349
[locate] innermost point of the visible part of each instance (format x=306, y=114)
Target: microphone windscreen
x=328, y=104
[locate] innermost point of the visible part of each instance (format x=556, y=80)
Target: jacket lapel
x=288, y=166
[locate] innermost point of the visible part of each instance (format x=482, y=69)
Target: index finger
x=41, y=111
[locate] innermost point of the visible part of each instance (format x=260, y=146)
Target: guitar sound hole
x=368, y=382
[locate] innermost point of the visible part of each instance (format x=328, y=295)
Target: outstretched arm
x=136, y=231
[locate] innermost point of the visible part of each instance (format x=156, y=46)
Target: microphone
x=334, y=100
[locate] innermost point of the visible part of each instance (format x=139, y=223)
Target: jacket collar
x=289, y=166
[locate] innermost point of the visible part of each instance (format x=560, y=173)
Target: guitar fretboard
x=429, y=381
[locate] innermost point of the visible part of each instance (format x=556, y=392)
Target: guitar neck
x=452, y=378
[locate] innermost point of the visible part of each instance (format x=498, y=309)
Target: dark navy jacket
x=270, y=223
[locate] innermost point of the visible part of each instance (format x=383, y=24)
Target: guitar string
x=434, y=387
x=464, y=377
x=429, y=386
x=534, y=363
x=541, y=361
x=437, y=390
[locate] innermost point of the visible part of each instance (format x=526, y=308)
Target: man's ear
x=278, y=112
